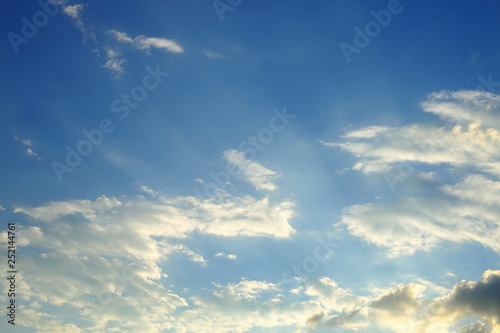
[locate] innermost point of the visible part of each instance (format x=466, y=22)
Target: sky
x=250, y=166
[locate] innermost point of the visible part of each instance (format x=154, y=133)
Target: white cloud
x=245, y=289
x=2, y=207
x=245, y=216
x=181, y=248
x=114, y=63
x=407, y=309
x=332, y=296
x=145, y=43
x=30, y=152
x=473, y=139
x=464, y=211
x=83, y=246
x=421, y=223
x=245, y=306
x=367, y=132
x=227, y=256
x=252, y=304
x=258, y=175
x=74, y=11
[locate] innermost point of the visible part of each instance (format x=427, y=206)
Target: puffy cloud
x=91, y=227
x=248, y=304
x=406, y=309
x=145, y=43
x=477, y=327
x=258, y=175
x=245, y=289
x=332, y=296
x=470, y=298
x=244, y=306
x=106, y=257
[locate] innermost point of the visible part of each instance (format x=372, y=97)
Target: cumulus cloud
x=407, y=309
x=470, y=298
x=332, y=296
x=258, y=175
x=477, y=327
x=103, y=256
x=251, y=304
x=145, y=43
x=244, y=306
x=245, y=289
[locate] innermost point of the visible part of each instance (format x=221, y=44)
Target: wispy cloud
x=29, y=151
x=473, y=139
x=461, y=211
x=212, y=55
x=451, y=213
x=145, y=43
x=74, y=11
x=114, y=63
x=258, y=175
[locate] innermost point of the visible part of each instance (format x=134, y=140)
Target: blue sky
x=243, y=172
